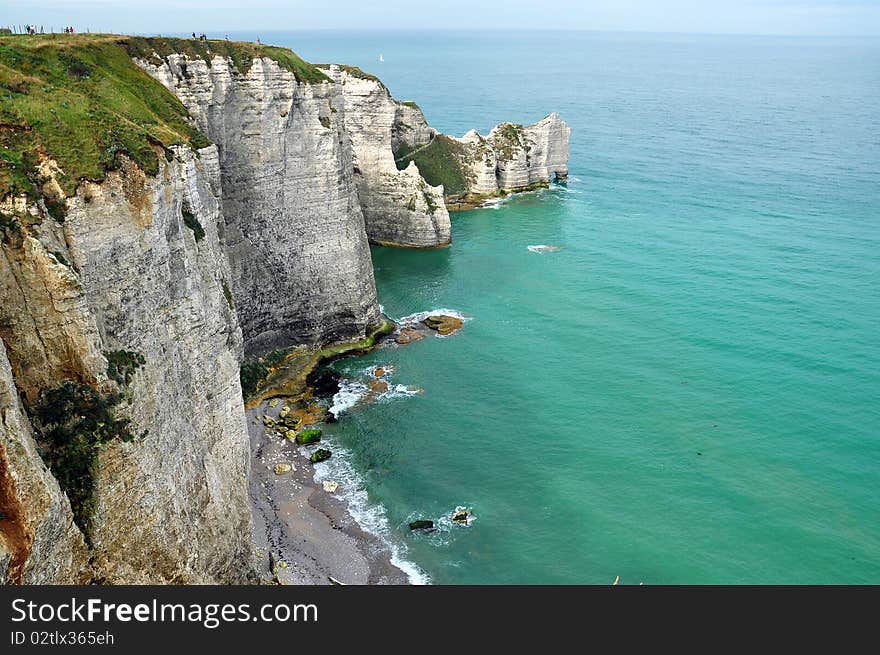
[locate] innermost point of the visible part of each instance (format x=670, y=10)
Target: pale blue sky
x=832, y=17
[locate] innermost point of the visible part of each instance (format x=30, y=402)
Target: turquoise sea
x=689, y=390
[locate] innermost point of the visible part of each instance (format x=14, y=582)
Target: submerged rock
x=444, y=324
x=421, y=524
x=408, y=335
x=378, y=387
x=310, y=415
x=326, y=383
x=308, y=437
x=320, y=455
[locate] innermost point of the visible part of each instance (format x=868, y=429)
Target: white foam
x=369, y=516
x=418, y=317
x=493, y=203
x=541, y=248
x=349, y=394
x=400, y=391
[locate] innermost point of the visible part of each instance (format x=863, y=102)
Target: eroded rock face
x=137, y=267
x=172, y=505
x=400, y=207
x=514, y=157
x=511, y=158
x=293, y=227
x=44, y=316
x=39, y=542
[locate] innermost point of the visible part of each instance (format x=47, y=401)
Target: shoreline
x=312, y=537
x=303, y=534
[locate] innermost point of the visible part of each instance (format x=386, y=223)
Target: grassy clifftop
x=241, y=53
x=439, y=163
x=81, y=100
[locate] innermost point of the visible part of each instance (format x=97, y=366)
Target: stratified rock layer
x=125, y=272
x=511, y=158
x=293, y=227
x=39, y=543
x=400, y=208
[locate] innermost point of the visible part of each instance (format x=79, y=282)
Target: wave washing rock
x=400, y=208
x=138, y=263
x=511, y=158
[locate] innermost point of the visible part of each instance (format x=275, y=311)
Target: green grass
x=81, y=100
x=354, y=71
x=242, y=54
x=439, y=163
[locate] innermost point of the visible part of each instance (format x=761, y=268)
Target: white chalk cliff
x=256, y=242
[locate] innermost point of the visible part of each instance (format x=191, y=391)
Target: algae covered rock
x=408, y=335
x=320, y=455
x=421, y=524
x=444, y=324
x=308, y=437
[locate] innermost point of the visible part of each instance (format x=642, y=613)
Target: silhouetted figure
x=194, y=35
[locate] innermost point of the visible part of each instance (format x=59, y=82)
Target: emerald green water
x=716, y=293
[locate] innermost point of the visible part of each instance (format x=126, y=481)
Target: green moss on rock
x=320, y=455
x=122, y=364
x=308, y=437
x=439, y=163
x=190, y=220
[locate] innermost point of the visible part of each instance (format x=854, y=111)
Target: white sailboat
x=381, y=57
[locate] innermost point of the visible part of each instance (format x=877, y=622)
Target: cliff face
x=509, y=159
x=124, y=274
x=293, y=228
x=157, y=287
x=139, y=264
x=39, y=543
x=399, y=207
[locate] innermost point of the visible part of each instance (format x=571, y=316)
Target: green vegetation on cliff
x=73, y=422
x=155, y=49
x=81, y=100
x=439, y=163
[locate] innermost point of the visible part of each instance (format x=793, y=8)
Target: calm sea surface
x=689, y=390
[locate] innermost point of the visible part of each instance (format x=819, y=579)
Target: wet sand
x=302, y=534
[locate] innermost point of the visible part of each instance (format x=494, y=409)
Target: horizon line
x=482, y=29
